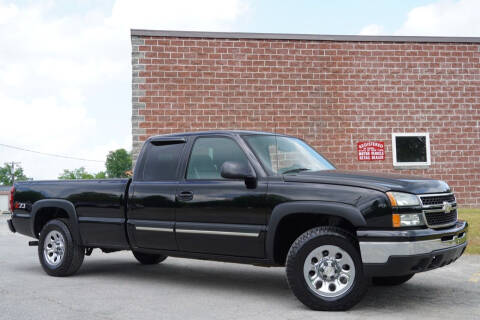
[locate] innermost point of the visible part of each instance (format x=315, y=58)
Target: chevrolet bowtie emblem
x=447, y=207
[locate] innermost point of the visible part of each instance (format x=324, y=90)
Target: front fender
x=345, y=211
x=65, y=205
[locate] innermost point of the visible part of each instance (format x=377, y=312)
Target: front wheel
x=325, y=270
x=391, y=281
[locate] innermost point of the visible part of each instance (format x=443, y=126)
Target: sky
x=65, y=65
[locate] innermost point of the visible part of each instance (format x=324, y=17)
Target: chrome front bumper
x=380, y=252
x=379, y=246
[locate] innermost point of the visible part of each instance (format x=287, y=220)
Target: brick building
x=418, y=98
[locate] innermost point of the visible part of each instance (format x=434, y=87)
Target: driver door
x=216, y=215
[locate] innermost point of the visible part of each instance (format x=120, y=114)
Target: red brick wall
x=332, y=94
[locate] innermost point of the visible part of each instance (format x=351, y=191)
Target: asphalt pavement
x=115, y=286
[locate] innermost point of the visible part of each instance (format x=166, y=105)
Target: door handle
x=185, y=196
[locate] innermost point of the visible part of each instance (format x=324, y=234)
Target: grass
x=473, y=218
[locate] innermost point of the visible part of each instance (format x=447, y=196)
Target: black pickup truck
x=249, y=197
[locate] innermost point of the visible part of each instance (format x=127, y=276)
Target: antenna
x=276, y=147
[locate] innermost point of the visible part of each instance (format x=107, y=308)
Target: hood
x=380, y=182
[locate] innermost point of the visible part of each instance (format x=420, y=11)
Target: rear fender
x=65, y=205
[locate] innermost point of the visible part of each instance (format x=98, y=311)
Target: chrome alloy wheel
x=329, y=271
x=54, y=248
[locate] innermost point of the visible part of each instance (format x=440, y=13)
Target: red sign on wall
x=371, y=151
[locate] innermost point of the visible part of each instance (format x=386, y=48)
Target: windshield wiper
x=296, y=170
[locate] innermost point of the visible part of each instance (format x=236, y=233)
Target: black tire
x=391, y=281
x=298, y=253
x=73, y=253
x=147, y=258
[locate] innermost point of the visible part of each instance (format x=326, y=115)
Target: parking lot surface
x=115, y=286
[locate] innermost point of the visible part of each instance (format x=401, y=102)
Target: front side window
x=285, y=155
x=411, y=149
x=208, y=156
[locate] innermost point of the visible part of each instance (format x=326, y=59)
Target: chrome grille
x=441, y=218
x=437, y=199
x=439, y=210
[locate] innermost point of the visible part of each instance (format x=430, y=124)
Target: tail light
x=12, y=191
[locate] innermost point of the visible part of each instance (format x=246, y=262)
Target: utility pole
x=13, y=163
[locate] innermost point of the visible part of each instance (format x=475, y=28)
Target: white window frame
x=410, y=134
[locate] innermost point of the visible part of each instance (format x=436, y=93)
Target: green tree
x=118, y=163
x=101, y=175
x=6, y=173
x=79, y=173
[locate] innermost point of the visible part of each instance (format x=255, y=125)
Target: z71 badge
x=20, y=205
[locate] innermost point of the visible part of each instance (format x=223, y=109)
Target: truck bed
x=99, y=206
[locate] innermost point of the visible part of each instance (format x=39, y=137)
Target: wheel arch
x=63, y=207
x=314, y=213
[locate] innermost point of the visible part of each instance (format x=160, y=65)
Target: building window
x=411, y=149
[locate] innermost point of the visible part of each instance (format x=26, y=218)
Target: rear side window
x=162, y=162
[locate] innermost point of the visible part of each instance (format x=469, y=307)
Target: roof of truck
x=214, y=132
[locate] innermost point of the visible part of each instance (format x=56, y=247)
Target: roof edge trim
x=292, y=36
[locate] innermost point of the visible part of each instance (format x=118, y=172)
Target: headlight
x=401, y=199
x=407, y=220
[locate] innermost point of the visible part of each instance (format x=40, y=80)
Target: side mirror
x=237, y=170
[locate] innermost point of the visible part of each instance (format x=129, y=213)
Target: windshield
x=286, y=155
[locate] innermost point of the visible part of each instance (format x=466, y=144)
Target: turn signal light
x=396, y=220
x=392, y=199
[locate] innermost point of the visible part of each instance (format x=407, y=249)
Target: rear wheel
x=59, y=255
x=391, y=281
x=324, y=269
x=147, y=258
